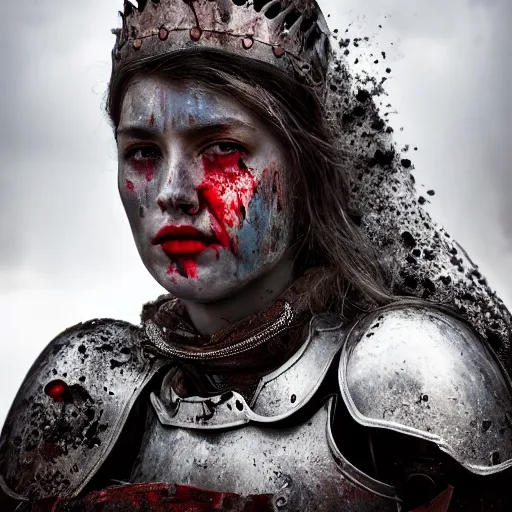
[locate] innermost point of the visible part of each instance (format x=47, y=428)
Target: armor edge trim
x=398, y=427
x=230, y=409
x=352, y=473
x=157, y=365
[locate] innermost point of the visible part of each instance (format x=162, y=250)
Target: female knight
x=323, y=345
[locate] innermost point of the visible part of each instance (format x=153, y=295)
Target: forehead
x=165, y=101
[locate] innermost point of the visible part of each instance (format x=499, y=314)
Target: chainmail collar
x=235, y=357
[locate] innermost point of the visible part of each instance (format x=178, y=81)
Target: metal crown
x=290, y=34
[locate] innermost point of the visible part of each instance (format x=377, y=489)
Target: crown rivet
x=278, y=51
x=137, y=44
x=247, y=42
x=195, y=33
x=163, y=34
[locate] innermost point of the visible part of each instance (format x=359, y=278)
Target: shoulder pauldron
x=422, y=372
x=71, y=407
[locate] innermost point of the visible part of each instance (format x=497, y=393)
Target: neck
x=259, y=294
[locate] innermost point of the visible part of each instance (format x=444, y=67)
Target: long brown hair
x=328, y=243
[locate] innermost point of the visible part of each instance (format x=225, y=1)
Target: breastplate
x=225, y=444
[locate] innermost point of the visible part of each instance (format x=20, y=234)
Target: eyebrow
x=196, y=130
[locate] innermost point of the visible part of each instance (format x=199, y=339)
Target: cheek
x=246, y=208
x=271, y=188
x=227, y=191
x=139, y=174
x=136, y=183
x=129, y=185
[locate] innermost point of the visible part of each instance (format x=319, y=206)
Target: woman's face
x=201, y=178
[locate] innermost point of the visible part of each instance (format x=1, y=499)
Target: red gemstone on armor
x=247, y=42
x=278, y=51
x=195, y=33
x=163, y=34
x=58, y=390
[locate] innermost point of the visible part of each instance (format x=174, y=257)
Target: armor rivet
x=137, y=44
x=163, y=34
x=247, y=42
x=278, y=51
x=195, y=33
x=281, y=502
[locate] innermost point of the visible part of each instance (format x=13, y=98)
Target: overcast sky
x=66, y=252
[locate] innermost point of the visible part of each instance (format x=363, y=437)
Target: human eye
x=143, y=159
x=220, y=149
x=142, y=154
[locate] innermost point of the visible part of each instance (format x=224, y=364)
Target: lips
x=183, y=241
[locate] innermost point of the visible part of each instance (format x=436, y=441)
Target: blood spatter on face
x=151, y=120
x=226, y=192
x=190, y=268
x=185, y=267
x=130, y=186
x=172, y=269
x=146, y=167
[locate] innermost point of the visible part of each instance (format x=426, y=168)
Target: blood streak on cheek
x=226, y=191
x=130, y=186
x=147, y=167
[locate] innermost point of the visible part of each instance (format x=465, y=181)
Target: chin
x=213, y=279
x=201, y=290
x=207, y=288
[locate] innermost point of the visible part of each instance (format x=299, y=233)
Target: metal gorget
x=271, y=445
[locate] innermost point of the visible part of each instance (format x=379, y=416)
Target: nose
x=179, y=193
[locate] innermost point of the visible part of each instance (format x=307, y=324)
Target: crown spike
x=267, y=9
x=128, y=8
x=295, y=28
x=310, y=30
x=281, y=17
x=279, y=32
x=260, y=4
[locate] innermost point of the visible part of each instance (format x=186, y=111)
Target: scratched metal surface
x=53, y=446
x=279, y=395
x=295, y=464
x=418, y=371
